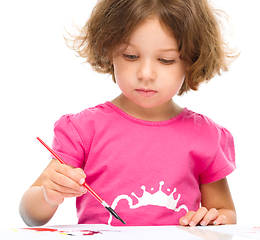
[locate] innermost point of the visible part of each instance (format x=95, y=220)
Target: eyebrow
x=169, y=50
x=160, y=50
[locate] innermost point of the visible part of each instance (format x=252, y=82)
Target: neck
x=162, y=112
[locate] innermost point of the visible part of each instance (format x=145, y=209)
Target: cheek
x=121, y=73
x=173, y=84
x=180, y=75
x=120, y=69
x=175, y=78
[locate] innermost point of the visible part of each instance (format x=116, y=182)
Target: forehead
x=151, y=33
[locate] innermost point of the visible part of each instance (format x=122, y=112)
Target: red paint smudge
x=42, y=229
x=84, y=232
x=90, y=233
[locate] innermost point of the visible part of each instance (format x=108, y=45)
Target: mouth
x=146, y=92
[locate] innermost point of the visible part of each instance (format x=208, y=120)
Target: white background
x=41, y=79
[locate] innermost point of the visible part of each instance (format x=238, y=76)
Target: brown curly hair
x=193, y=23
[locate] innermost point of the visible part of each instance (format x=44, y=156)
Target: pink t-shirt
x=149, y=172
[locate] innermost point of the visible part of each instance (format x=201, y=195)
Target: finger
x=184, y=221
x=52, y=197
x=55, y=197
x=56, y=179
x=76, y=174
x=198, y=216
x=62, y=183
x=209, y=217
x=220, y=220
x=81, y=174
x=65, y=194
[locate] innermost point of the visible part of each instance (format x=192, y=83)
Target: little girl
x=153, y=161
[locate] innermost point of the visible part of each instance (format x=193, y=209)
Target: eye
x=130, y=57
x=167, y=62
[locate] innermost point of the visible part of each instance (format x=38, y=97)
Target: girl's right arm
x=41, y=200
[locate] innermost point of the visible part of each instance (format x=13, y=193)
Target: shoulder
x=211, y=146
x=73, y=133
x=87, y=115
x=87, y=122
x=201, y=122
x=204, y=130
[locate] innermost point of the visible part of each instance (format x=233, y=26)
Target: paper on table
x=107, y=232
x=236, y=230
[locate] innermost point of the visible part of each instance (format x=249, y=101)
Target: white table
x=227, y=232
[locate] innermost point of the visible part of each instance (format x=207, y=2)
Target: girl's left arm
x=217, y=206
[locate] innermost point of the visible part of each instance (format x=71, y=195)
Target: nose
x=146, y=70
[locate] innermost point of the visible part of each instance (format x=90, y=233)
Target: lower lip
x=146, y=93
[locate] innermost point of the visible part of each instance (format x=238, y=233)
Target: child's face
x=149, y=72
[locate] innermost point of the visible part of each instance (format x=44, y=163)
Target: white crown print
x=158, y=198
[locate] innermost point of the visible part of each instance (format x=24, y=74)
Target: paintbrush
x=94, y=194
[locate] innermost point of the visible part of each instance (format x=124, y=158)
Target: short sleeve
x=67, y=142
x=222, y=162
